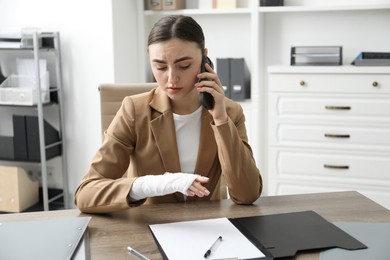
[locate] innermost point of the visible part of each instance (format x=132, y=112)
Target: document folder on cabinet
x=42, y=239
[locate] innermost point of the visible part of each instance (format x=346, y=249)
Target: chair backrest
x=111, y=96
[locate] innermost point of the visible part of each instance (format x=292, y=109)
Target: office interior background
x=105, y=42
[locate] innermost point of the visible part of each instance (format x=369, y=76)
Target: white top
x=187, y=136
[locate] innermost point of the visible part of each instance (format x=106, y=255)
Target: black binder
x=51, y=136
x=223, y=66
x=20, y=138
x=284, y=235
x=6, y=147
x=235, y=78
x=240, y=80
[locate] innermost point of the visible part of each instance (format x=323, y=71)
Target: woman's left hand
x=213, y=86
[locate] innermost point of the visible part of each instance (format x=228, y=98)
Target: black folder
x=223, y=67
x=284, y=235
x=20, y=138
x=240, y=80
x=33, y=144
x=235, y=78
x=6, y=147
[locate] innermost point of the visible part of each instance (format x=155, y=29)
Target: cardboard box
x=225, y=4
x=173, y=4
x=17, y=191
x=153, y=4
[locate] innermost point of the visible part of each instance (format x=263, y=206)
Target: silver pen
x=136, y=253
x=209, y=251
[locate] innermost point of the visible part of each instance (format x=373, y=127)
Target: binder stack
x=235, y=78
x=372, y=59
x=24, y=145
x=316, y=56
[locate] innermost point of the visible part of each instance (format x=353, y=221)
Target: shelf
x=45, y=49
x=43, y=104
x=198, y=12
x=46, y=38
x=330, y=69
x=56, y=201
x=322, y=8
x=32, y=162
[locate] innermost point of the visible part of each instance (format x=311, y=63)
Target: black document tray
x=283, y=235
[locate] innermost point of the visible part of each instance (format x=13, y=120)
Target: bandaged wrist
x=159, y=185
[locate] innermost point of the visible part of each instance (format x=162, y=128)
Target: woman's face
x=175, y=64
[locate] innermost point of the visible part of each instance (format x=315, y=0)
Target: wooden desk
x=110, y=234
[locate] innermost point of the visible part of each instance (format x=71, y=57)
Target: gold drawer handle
x=375, y=84
x=302, y=83
x=337, y=136
x=338, y=107
x=338, y=167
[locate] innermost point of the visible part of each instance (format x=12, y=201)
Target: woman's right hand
x=197, y=189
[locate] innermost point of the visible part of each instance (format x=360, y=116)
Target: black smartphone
x=206, y=99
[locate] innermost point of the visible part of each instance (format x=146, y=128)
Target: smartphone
x=206, y=99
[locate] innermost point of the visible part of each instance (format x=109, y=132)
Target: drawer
x=286, y=187
x=330, y=83
x=341, y=107
x=337, y=136
x=331, y=165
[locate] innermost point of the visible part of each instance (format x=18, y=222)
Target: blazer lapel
x=163, y=129
x=207, y=146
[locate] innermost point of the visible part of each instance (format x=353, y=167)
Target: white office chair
x=112, y=95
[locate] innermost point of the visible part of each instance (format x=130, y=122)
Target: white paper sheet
x=191, y=239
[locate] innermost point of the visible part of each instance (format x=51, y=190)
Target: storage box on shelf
x=22, y=90
x=329, y=129
x=17, y=191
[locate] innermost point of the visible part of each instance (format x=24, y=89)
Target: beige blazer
x=143, y=131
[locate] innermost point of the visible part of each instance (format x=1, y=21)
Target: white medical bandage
x=159, y=185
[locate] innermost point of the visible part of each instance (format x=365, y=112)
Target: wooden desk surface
x=110, y=234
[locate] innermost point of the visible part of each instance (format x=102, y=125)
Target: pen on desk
x=208, y=252
x=136, y=253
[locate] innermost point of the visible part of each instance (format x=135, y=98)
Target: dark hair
x=179, y=27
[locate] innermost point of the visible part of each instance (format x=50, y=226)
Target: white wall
x=87, y=59
x=355, y=31
x=127, y=51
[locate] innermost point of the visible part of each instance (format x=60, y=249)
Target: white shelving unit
x=264, y=36
x=36, y=52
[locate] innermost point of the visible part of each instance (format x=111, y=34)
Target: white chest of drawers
x=329, y=130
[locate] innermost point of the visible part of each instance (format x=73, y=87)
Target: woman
x=178, y=149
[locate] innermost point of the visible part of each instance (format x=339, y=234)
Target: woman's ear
x=206, y=51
